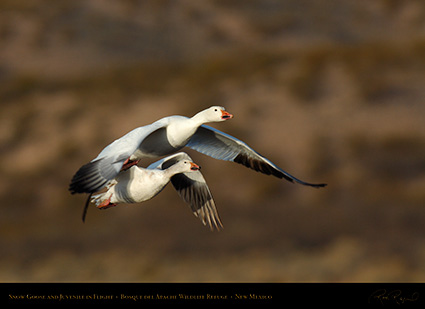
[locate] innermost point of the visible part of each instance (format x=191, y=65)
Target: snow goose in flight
x=137, y=184
x=161, y=138
x=166, y=136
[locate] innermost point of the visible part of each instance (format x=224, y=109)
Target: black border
x=362, y=294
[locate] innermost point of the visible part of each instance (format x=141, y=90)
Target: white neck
x=182, y=129
x=172, y=170
x=199, y=118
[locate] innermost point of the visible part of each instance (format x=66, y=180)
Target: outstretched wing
x=94, y=175
x=222, y=146
x=194, y=190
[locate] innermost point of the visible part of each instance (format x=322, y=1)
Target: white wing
x=94, y=175
x=222, y=146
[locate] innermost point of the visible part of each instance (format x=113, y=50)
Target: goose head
x=186, y=166
x=214, y=114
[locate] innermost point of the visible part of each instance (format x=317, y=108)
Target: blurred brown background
x=331, y=91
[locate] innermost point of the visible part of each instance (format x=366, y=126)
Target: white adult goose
x=166, y=136
x=137, y=184
x=161, y=138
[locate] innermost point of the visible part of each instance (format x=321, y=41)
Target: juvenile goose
x=137, y=184
x=166, y=136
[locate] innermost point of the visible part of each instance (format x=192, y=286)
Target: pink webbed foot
x=106, y=204
x=129, y=163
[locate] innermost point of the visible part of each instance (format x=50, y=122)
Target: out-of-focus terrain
x=331, y=91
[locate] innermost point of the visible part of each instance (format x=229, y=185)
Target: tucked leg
x=129, y=163
x=106, y=204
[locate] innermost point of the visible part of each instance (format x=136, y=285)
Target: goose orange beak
x=225, y=115
x=194, y=167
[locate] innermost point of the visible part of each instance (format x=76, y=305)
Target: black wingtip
x=86, y=207
x=266, y=168
x=87, y=179
x=314, y=185
x=320, y=185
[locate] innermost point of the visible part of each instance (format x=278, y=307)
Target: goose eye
x=216, y=110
